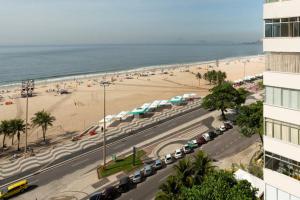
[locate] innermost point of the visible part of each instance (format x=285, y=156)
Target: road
x=94, y=154
x=223, y=146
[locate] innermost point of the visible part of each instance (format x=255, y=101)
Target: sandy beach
x=82, y=107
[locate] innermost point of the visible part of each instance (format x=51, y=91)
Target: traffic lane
x=116, y=147
x=215, y=148
x=163, y=127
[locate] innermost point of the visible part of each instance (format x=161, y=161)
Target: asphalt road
x=95, y=154
x=228, y=144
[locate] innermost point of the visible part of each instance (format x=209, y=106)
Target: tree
x=199, y=77
x=222, y=97
x=43, y=119
x=169, y=190
x=184, y=171
x=12, y=132
x=5, y=130
x=250, y=119
x=220, y=185
x=18, y=127
x=215, y=77
x=202, y=165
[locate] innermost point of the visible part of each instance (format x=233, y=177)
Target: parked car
x=212, y=134
x=178, y=154
x=187, y=149
x=110, y=193
x=97, y=196
x=206, y=137
x=223, y=128
x=201, y=140
x=193, y=144
x=228, y=124
x=137, y=177
x=148, y=170
x=158, y=164
x=169, y=159
x=218, y=131
x=124, y=184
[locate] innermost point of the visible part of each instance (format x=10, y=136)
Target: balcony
x=280, y=9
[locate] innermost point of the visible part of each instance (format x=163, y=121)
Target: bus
x=13, y=189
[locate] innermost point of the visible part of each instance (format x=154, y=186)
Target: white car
x=168, y=159
x=223, y=128
x=206, y=137
x=178, y=154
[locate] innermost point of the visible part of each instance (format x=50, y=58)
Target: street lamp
x=104, y=84
x=26, y=91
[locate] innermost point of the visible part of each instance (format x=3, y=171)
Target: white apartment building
x=282, y=99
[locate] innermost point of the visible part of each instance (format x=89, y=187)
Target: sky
x=58, y=22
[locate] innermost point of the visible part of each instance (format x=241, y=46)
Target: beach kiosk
x=177, y=101
x=141, y=111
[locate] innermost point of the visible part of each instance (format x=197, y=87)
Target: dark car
x=124, y=184
x=218, y=131
x=97, y=196
x=110, y=193
x=200, y=140
x=212, y=134
x=158, y=164
x=228, y=125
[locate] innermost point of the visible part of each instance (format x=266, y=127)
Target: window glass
x=277, y=131
x=271, y=193
x=284, y=30
x=269, y=129
x=296, y=29
x=283, y=195
x=294, y=99
x=285, y=132
x=277, y=96
x=276, y=30
x=294, y=135
x=294, y=198
x=286, y=98
x=268, y=30
x=269, y=95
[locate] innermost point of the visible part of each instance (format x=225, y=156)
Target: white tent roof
x=190, y=95
x=108, y=118
x=164, y=103
x=122, y=114
x=255, y=182
x=155, y=104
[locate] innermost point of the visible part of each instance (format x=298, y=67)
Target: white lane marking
x=79, y=163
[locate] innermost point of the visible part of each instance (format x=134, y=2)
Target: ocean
x=19, y=63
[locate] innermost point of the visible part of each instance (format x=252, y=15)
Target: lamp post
x=27, y=89
x=104, y=84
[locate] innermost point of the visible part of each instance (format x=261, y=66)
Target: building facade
x=282, y=99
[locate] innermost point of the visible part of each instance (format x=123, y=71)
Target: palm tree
x=18, y=127
x=43, y=119
x=13, y=132
x=169, y=190
x=202, y=165
x=199, y=77
x=184, y=172
x=5, y=130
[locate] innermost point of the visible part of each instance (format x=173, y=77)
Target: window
x=294, y=198
x=294, y=136
x=282, y=131
x=294, y=99
x=268, y=30
x=276, y=30
x=283, y=195
x=271, y=193
x=269, y=95
x=296, y=29
x=269, y=129
x=277, y=96
x=284, y=30
x=285, y=133
x=286, y=98
x=277, y=131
